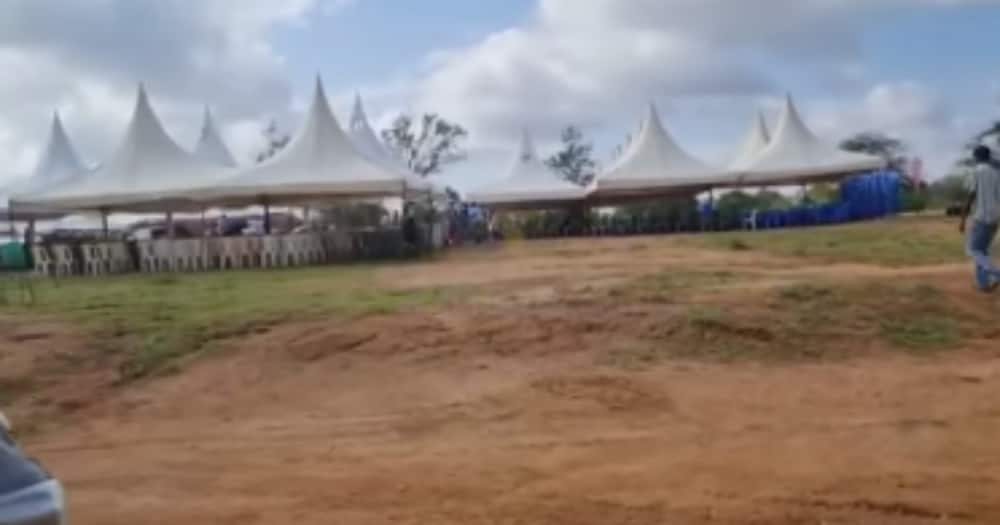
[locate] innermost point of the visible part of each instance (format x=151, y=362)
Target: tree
x=822, y=193
x=989, y=136
x=878, y=144
x=436, y=143
x=574, y=160
x=274, y=141
x=947, y=191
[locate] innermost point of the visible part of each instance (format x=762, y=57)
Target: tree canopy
x=574, y=160
x=879, y=144
x=274, y=141
x=425, y=145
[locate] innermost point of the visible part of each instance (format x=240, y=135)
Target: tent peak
x=210, y=146
x=527, y=151
x=359, y=119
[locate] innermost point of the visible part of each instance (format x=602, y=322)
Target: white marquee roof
x=211, y=148
x=148, y=172
x=529, y=181
x=368, y=144
x=320, y=162
x=796, y=156
x=58, y=164
x=757, y=139
x=654, y=165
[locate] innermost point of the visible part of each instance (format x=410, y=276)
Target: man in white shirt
x=984, y=198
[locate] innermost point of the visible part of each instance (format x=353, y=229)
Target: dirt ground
x=509, y=409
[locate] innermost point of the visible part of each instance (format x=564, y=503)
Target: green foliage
x=825, y=193
x=878, y=144
x=437, y=142
x=575, y=160
x=355, y=215
x=947, y=191
x=151, y=324
x=738, y=203
x=275, y=140
x=914, y=199
x=905, y=241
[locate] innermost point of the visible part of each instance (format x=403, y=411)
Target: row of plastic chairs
x=216, y=253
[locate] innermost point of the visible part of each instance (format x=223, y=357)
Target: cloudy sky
x=923, y=70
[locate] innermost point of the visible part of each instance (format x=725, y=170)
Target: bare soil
x=531, y=403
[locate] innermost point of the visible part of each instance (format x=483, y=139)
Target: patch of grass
x=151, y=322
x=13, y=388
x=667, y=286
x=804, y=293
x=805, y=321
x=739, y=245
x=905, y=241
x=922, y=333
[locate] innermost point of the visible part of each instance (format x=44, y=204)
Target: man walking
x=984, y=196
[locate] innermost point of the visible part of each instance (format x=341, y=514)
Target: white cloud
x=593, y=62
x=907, y=110
x=84, y=58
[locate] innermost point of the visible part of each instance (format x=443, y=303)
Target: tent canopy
x=363, y=137
x=58, y=165
x=795, y=156
x=654, y=165
x=757, y=139
x=529, y=183
x=320, y=163
x=148, y=172
x=210, y=147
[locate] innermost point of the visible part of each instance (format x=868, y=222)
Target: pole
x=171, y=233
x=105, y=230
x=10, y=221
x=267, y=217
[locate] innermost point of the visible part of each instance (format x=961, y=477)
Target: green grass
x=800, y=322
x=672, y=285
x=908, y=241
x=151, y=322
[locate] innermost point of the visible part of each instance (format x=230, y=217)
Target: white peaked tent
x=757, y=139
x=319, y=163
x=796, y=156
x=529, y=184
x=211, y=148
x=367, y=143
x=148, y=172
x=654, y=165
x=58, y=165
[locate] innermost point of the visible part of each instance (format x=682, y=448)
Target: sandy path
x=504, y=413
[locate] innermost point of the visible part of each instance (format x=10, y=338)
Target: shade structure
x=529, y=183
x=364, y=138
x=210, y=147
x=796, y=156
x=654, y=165
x=57, y=166
x=148, y=172
x=757, y=139
x=320, y=163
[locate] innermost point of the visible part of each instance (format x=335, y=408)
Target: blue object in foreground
x=28, y=495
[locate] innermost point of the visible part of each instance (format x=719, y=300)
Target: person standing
x=984, y=205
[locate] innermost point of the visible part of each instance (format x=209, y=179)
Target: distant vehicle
x=28, y=494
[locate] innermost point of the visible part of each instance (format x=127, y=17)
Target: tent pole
x=267, y=217
x=29, y=234
x=105, y=230
x=171, y=233
x=10, y=221
x=204, y=223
